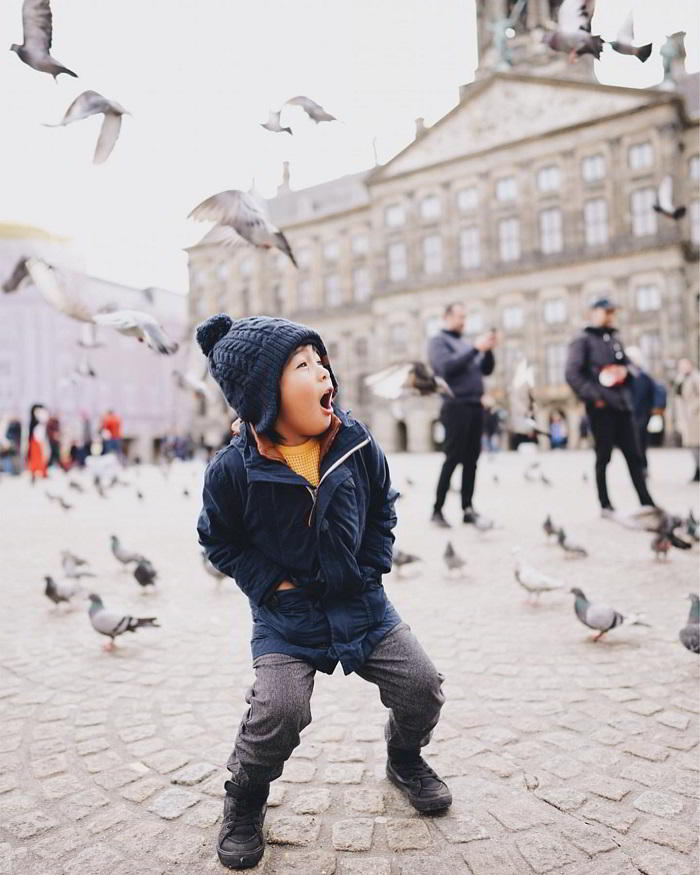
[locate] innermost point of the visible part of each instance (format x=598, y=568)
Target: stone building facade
x=531, y=196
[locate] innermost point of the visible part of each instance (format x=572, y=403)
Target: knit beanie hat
x=247, y=357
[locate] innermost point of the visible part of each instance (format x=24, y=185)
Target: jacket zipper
x=313, y=491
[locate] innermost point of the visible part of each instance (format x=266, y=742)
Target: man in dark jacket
x=597, y=370
x=462, y=365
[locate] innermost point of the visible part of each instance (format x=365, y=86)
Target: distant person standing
x=38, y=447
x=463, y=366
x=112, y=424
x=53, y=435
x=597, y=370
x=686, y=387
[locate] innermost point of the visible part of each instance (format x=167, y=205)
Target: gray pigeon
x=402, y=560
x=112, y=624
x=601, y=617
x=624, y=41
x=124, y=556
x=72, y=566
x=549, y=527
x=314, y=110
x=453, y=560
x=240, y=212
x=691, y=527
x=273, y=123
x=532, y=580
x=36, y=39
x=568, y=546
x=91, y=103
x=145, y=573
x=59, y=499
x=144, y=327
x=74, y=485
x=664, y=200
x=60, y=591
x=56, y=290
x=690, y=633
x=18, y=276
x=407, y=379
x=573, y=31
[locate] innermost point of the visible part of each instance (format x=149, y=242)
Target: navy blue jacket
x=460, y=364
x=262, y=523
x=588, y=353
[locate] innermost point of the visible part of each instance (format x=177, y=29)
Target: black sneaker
x=241, y=842
x=481, y=522
x=425, y=790
x=439, y=520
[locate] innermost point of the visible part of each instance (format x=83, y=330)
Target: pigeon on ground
x=601, y=617
x=91, y=103
x=453, y=560
x=139, y=495
x=691, y=527
x=73, y=565
x=407, y=379
x=19, y=275
x=690, y=633
x=211, y=569
x=664, y=200
x=241, y=215
x=402, y=560
x=314, y=110
x=495, y=479
x=529, y=472
x=126, y=557
x=273, y=123
x=549, y=527
x=36, y=39
x=60, y=591
x=533, y=581
x=99, y=487
x=569, y=547
x=624, y=41
x=544, y=479
x=584, y=477
x=145, y=573
x=77, y=487
x=573, y=30
x=112, y=624
x=144, y=327
x=59, y=499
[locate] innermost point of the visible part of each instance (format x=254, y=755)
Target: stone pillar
x=419, y=424
x=384, y=428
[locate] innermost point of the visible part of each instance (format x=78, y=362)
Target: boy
x=299, y=509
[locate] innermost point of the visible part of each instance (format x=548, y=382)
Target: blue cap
x=603, y=303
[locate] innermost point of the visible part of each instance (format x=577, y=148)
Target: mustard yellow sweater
x=303, y=459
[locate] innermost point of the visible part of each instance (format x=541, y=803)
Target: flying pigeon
x=59, y=499
x=124, y=556
x=60, y=591
x=53, y=287
x=402, y=560
x=529, y=472
x=145, y=573
x=36, y=39
x=112, y=624
x=690, y=633
x=407, y=379
x=142, y=326
x=18, y=276
x=91, y=103
x=601, y=617
x=211, y=569
x=691, y=527
x=664, y=200
x=624, y=41
x=453, y=560
x=533, y=581
x=569, y=547
x=84, y=368
x=549, y=527
x=240, y=212
x=544, y=479
x=72, y=565
x=573, y=31
x=273, y=123
x=314, y=110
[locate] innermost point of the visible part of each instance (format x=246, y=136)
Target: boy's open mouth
x=326, y=400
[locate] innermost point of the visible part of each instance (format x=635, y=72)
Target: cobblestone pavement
x=563, y=756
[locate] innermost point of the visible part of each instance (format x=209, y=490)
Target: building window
x=554, y=310
x=397, y=339
x=474, y=322
x=694, y=167
x=331, y=250
x=509, y=239
x=595, y=220
x=640, y=155
x=331, y=289
x=394, y=216
x=360, y=284
x=246, y=267
x=551, y=238
x=469, y=247
x=359, y=244
x=303, y=256
x=304, y=295
x=513, y=317
x=548, y=178
x=695, y=222
x=506, y=189
x=593, y=168
x=396, y=258
x=432, y=254
x=430, y=207
x=467, y=199
x=643, y=215
x=555, y=363
x=512, y=353
x=650, y=345
x=648, y=298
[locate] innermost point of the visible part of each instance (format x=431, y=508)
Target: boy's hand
x=285, y=584
x=236, y=426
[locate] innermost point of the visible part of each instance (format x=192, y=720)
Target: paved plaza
x=563, y=755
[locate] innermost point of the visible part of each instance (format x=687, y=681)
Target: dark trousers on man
x=617, y=428
x=464, y=424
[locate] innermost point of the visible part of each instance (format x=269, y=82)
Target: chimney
x=284, y=185
x=420, y=127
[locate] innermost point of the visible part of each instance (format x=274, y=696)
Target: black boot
x=241, y=842
x=696, y=476
x=426, y=791
x=439, y=520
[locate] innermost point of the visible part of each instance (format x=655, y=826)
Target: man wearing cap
x=597, y=369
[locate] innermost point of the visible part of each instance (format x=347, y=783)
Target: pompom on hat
x=247, y=357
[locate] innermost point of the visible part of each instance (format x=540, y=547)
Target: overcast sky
x=200, y=75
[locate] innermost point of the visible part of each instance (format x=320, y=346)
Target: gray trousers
x=279, y=704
